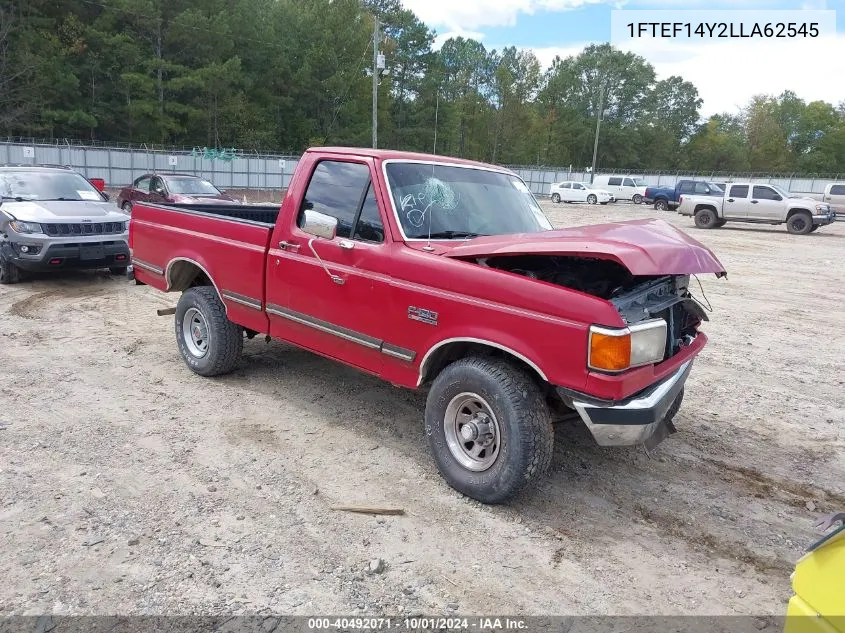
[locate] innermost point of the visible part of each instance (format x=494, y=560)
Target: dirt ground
x=131, y=486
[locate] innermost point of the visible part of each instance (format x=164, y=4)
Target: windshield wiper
x=449, y=235
x=15, y=198
x=61, y=199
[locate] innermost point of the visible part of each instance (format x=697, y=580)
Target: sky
x=727, y=73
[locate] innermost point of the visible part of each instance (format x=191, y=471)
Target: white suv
x=571, y=191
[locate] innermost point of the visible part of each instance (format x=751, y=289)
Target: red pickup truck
x=444, y=274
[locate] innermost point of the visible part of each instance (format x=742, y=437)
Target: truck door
x=765, y=204
x=835, y=197
x=736, y=202
x=329, y=295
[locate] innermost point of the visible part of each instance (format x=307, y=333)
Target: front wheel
x=637, y=199
x=555, y=198
x=488, y=427
x=9, y=273
x=210, y=344
x=661, y=205
x=800, y=223
x=591, y=199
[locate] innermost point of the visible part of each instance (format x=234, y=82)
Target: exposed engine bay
x=637, y=298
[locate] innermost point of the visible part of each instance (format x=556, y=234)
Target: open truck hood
x=644, y=247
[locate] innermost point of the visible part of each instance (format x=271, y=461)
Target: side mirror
x=159, y=191
x=319, y=224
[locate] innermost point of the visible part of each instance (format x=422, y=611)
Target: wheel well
x=450, y=352
x=701, y=207
x=795, y=211
x=183, y=274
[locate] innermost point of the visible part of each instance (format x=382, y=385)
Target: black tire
x=9, y=273
x=706, y=218
x=637, y=199
x=661, y=205
x=127, y=207
x=556, y=198
x=592, y=199
x=223, y=339
x=521, y=415
x=117, y=270
x=720, y=223
x=800, y=223
x=816, y=227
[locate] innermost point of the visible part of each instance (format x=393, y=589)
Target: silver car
x=53, y=218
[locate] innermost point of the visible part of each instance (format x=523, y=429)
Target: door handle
x=730, y=199
x=288, y=245
x=347, y=245
x=754, y=201
x=335, y=278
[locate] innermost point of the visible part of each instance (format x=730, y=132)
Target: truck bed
x=260, y=213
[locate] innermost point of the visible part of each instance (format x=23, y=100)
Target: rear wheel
x=661, y=205
x=555, y=198
x=705, y=218
x=488, y=427
x=637, y=199
x=9, y=273
x=210, y=344
x=592, y=199
x=799, y=223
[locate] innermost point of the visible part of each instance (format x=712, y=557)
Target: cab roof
x=390, y=154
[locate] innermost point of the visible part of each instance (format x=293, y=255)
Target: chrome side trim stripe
x=244, y=300
x=346, y=334
x=148, y=267
x=398, y=352
x=325, y=326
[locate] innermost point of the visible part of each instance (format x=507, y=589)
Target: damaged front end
x=661, y=319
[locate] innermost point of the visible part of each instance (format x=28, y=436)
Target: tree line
x=288, y=74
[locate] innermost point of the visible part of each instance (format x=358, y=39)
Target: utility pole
x=375, y=82
x=598, y=126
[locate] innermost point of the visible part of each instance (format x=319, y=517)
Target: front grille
x=83, y=228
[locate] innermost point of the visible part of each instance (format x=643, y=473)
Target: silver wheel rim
x=472, y=431
x=591, y=200
x=195, y=333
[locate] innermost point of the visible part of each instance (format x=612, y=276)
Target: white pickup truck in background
x=759, y=203
x=834, y=195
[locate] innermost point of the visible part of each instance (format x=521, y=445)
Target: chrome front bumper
x=637, y=419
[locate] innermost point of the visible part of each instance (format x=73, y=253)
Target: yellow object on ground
x=818, y=605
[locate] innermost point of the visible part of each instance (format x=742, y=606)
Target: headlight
x=25, y=227
x=615, y=350
x=822, y=207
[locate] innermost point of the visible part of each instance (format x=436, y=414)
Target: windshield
x=783, y=192
x=192, y=186
x=457, y=202
x=46, y=185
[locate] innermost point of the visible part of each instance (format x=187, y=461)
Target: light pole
x=598, y=127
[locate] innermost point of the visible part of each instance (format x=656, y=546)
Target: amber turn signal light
x=609, y=350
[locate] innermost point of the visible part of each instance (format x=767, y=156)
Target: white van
x=622, y=187
x=834, y=195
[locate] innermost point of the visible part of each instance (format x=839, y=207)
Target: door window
x=765, y=193
x=369, y=227
x=837, y=190
x=614, y=181
x=687, y=187
x=143, y=183
x=739, y=191
x=628, y=183
x=344, y=191
x=564, y=185
x=702, y=187
x=156, y=185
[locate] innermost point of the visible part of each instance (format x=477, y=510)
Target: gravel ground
x=132, y=486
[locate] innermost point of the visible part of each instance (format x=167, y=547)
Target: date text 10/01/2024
x=421, y=623
x=726, y=30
